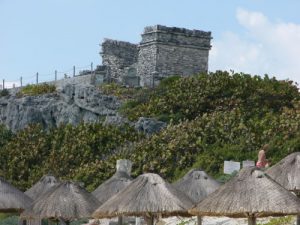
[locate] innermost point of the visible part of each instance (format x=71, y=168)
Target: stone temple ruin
x=162, y=52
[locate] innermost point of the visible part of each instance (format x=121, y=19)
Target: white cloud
x=267, y=48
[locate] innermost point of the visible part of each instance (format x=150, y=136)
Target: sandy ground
x=193, y=221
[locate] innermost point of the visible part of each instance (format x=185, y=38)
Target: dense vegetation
x=212, y=118
x=38, y=89
x=4, y=92
x=122, y=92
x=186, y=98
x=287, y=220
x=32, y=152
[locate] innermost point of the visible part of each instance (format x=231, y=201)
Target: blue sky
x=251, y=36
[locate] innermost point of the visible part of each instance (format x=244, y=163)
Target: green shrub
x=10, y=220
x=212, y=138
x=79, y=222
x=33, y=152
x=5, y=135
x=24, y=156
x=39, y=89
x=4, y=92
x=121, y=91
x=287, y=220
x=188, y=97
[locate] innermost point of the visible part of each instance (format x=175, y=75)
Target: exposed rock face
x=149, y=125
x=72, y=104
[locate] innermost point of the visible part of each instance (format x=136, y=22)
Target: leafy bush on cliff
x=124, y=93
x=36, y=89
x=24, y=155
x=4, y=93
x=212, y=138
x=186, y=98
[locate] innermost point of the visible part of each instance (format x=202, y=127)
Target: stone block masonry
x=118, y=55
x=162, y=52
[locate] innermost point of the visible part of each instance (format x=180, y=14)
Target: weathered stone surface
x=116, y=120
x=166, y=51
x=162, y=52
x=149, y=125
x=72, y=104
x=116, y=56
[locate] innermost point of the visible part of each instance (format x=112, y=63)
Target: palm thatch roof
x=67, y=201
x=147, y=195
x=11, y=198
x=251, y=193
x=112, y=186
x=287, y=172
x=197, y=184
x=42, y=186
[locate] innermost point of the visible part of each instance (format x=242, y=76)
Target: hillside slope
x=211, y=118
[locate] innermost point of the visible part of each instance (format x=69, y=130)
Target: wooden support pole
x=298, y=216
x=91, y=67
x=149, y=220
x=73, y=71
x=55, y=75
x=251, y=220
x=120, y=220
x=199, y=220
x=3, y=84
x=37, y=78
x=21, y=81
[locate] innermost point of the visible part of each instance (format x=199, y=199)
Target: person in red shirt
x=262, y=161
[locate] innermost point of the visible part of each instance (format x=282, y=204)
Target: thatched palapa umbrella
x=39, y=189
x=250, y=194
x=287, y=173
x=116, y=183
x=66, y=201
x=42, y=186
x=197, y=184
x=149, y=196
x=12, y=200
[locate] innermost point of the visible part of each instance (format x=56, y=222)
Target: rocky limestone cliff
x=71, y=104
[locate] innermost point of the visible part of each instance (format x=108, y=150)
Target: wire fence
x=50, y=77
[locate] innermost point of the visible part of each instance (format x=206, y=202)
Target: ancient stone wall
x=117, y=55
x=147, y=64
x=162, y=52
x=184, y=61
x=166, y=51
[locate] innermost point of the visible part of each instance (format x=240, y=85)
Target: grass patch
x=287, y=220
x=122, y=92
x=34, y=90
x=4, y=92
